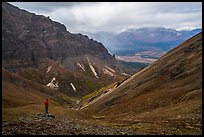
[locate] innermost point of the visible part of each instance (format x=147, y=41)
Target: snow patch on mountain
x=110, y=69
x=125, y=74
x=105, y=71
x=81, y=66
x=93, y=70
x=48, y=69
x=178, y=34
x=73, y=87
x=53, y=84
x=187, y=28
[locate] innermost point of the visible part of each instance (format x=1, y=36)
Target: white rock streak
x=93, y=70
x=110, y=69
x=73, y=86
x=53, y=84
x=105, y=71
x=125, y=74
x=81, y=66
x=48, y=69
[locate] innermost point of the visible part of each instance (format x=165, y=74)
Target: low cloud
x=118, y=16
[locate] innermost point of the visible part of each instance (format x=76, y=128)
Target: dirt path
x=50, y=125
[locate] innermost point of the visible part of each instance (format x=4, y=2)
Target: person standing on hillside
x=46, y=106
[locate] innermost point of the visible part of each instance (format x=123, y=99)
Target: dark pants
x=46, y=109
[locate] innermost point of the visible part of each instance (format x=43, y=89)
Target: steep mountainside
x=165, y=95
x=32, y=37
x=43, y=50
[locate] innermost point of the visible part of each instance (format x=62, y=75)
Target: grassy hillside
x=163, y=98
x=21, y=97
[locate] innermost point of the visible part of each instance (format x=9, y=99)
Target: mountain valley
x=94, y=92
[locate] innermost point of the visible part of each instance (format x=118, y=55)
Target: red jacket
x=46, y=102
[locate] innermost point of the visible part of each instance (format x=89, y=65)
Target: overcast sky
x=118, y=16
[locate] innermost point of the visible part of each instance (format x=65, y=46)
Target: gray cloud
x=118, y=16
x=36, y=6
x=46, y=6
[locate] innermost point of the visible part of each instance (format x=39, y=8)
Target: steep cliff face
x=36, y=42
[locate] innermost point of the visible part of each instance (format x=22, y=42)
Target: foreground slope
x=23, y=111
x=166, y=94
x=22, y=97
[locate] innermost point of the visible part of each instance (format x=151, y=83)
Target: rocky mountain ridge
x=40, y=49
x=41, y=37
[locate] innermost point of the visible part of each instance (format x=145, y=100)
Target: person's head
x=46, y=99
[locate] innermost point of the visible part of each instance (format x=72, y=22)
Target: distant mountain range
x=133, y=41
